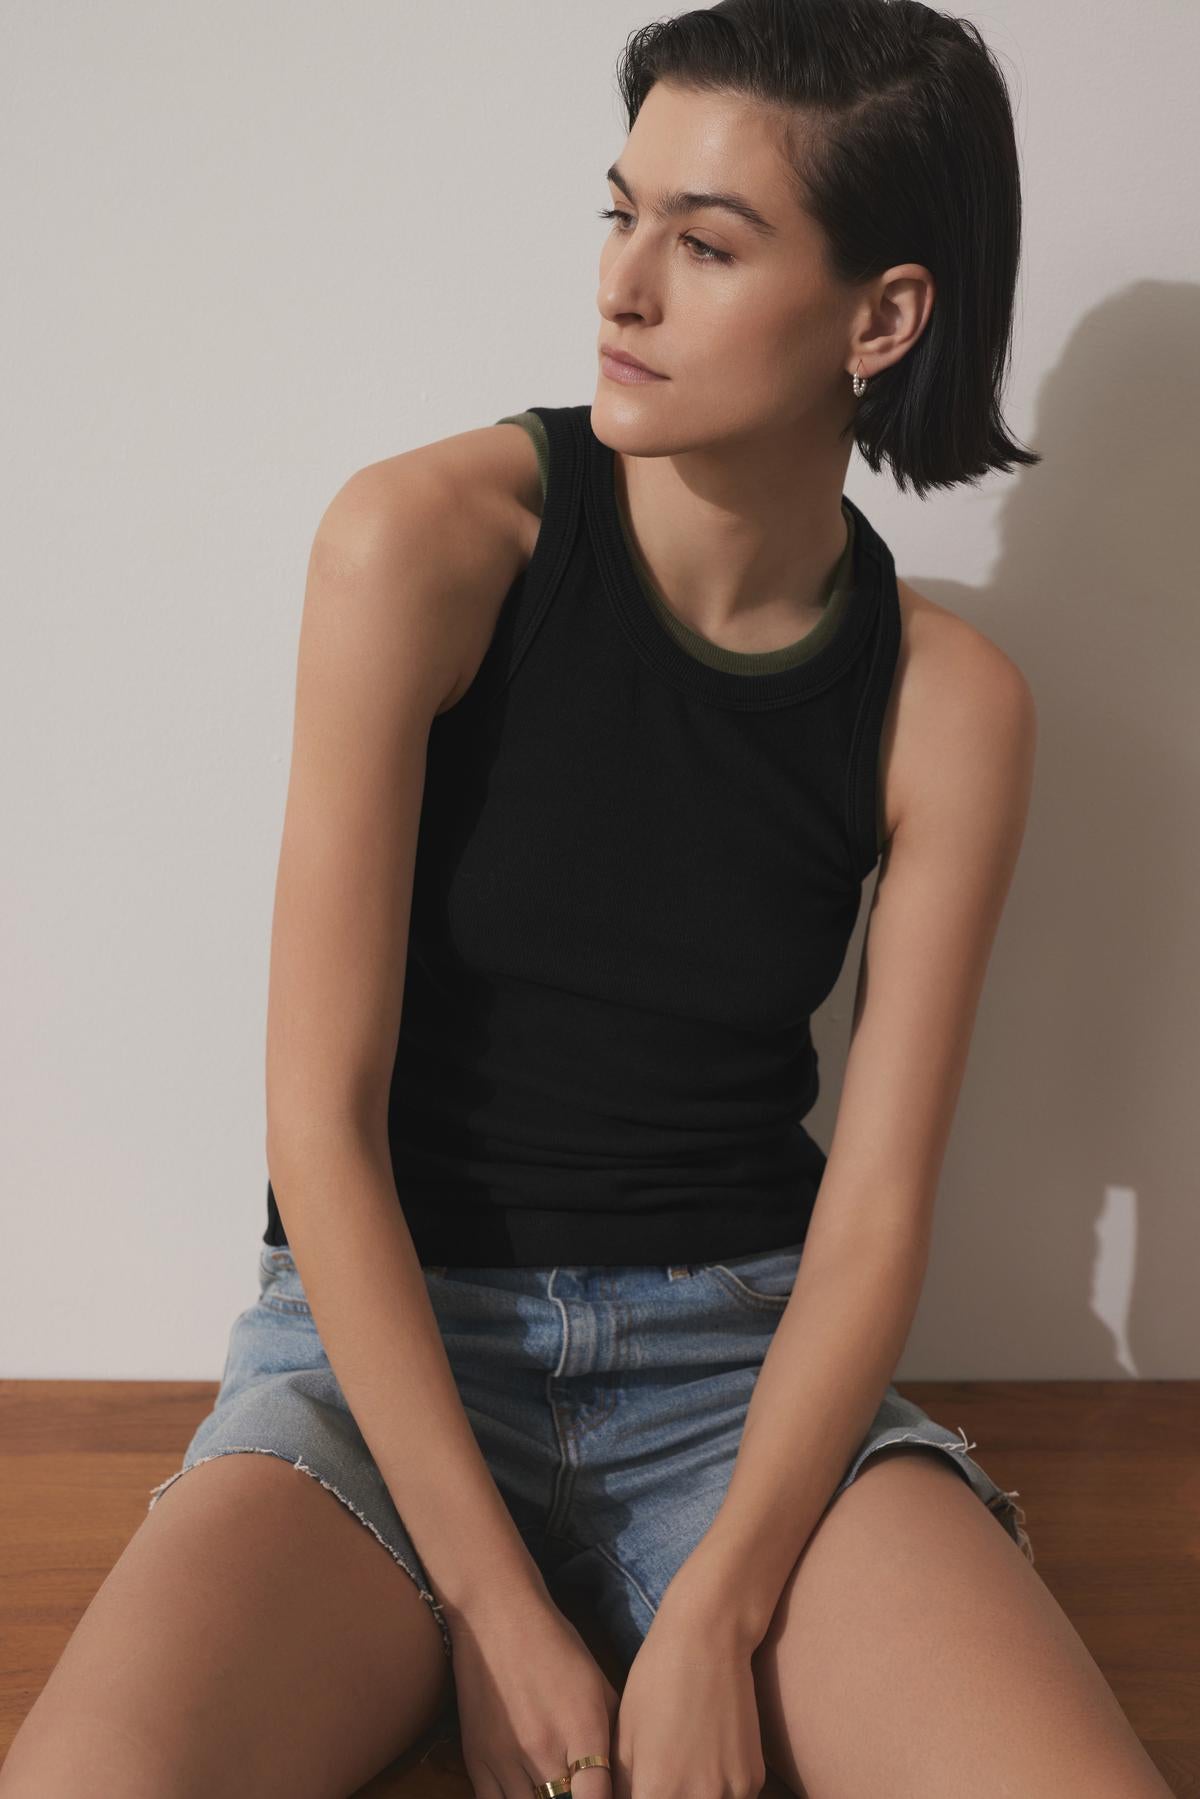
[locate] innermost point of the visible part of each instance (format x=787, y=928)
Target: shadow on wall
x=1068, y=1229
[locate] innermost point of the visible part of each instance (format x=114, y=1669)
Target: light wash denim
x=608, y=1404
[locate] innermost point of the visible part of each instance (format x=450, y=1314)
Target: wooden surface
x=1108, y=1473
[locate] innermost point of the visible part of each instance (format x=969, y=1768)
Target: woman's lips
x=625, y=371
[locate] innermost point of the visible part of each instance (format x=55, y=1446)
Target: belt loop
x=678, y=1270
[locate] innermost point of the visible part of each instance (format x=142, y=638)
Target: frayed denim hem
x=302, y=1465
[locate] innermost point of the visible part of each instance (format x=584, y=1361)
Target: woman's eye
x=703, y=252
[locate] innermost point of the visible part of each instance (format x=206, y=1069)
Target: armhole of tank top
x=525, y=603
x=864, y=786
x=531, y=423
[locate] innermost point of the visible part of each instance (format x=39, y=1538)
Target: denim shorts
x=608, y=1404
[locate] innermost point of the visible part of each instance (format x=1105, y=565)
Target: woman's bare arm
x=408, y=567
x=962, y=785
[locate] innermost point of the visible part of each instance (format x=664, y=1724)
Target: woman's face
x=744, y=319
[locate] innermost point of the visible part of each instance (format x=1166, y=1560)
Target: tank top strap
x=864, y=784
x=525, y=604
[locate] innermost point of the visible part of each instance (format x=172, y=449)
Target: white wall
x=252, y=248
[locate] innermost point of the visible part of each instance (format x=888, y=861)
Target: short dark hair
x=902, y=150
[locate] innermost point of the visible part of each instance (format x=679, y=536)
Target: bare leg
x=254, y=1637
x=916, y=1652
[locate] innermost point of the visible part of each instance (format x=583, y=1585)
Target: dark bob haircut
x=899, y=137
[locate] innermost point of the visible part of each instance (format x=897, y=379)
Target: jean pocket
x=762, y=1280
x=280, y=1288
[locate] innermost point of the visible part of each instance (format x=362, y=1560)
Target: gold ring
x=550, y=1789
x=589, y=1761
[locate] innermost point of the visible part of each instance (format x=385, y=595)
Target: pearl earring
x=860, y=383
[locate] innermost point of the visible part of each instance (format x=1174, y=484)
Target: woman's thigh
x=915, y=1652
x=252, y=1638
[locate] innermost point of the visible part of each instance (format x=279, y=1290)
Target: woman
x=601, y=722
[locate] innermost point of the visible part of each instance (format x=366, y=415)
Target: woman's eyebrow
x=671, y=204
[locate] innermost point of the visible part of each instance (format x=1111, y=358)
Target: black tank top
x=637, y=876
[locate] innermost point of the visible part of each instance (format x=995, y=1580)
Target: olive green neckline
x=702, y=649
x=837, y=592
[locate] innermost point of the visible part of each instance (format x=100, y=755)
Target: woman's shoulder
x=491, y=477
x=953, y=685
x=942, y=643
x=450, y=524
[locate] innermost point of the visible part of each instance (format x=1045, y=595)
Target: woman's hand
x=688, y=1725
x=531, y=1698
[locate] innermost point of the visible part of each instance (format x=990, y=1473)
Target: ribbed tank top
x=639, y=865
